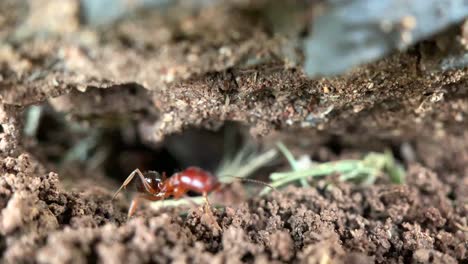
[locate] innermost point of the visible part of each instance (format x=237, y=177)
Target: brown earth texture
x=83, y=105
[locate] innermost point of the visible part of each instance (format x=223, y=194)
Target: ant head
x=153, y=178
x=157, y=185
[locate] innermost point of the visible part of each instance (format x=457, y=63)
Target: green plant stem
x=321, y=169
x=292, y=161
x=33, y=116
x=283, y=178
x=174, y=203
x=288, y=155
x=256, y=163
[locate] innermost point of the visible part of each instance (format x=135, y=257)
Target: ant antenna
x=254, y=181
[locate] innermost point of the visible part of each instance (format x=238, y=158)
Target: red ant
x=153, y=188
x=194, y=179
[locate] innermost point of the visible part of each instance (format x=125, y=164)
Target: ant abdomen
x=194, y=179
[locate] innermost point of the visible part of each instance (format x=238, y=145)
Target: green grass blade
x=288, y=155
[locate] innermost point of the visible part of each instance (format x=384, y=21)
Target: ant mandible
x=153, y=188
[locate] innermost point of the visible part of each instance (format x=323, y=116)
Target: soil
x=420, y=222
x=139, y=82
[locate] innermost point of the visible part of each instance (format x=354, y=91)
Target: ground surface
x=422, y=221
x=152, y=76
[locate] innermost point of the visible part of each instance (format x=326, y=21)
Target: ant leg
x=133, y=206
x=205, y=195
x=136, y=201
x=130, y=178
x=210, y=212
